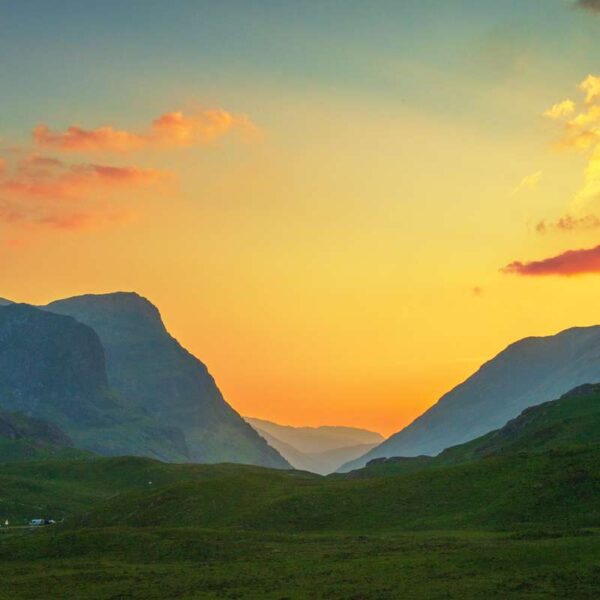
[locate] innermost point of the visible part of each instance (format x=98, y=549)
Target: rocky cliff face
x=151, y=371
x=53, y=368
x=527, y=373
x=51, y=365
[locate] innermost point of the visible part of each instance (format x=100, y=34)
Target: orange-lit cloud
x=172, y=129
x=49, y=192
x=567, y=264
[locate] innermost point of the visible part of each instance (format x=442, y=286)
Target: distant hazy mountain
x=528, y=372
x=52, y=368
x=317, y=449
x=150, y=371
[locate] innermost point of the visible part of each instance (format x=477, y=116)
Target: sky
x=342, y=207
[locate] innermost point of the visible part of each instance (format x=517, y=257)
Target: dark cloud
x=591, y=5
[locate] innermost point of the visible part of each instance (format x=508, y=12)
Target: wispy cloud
x=567, y=264
x=172, y=129
x=529, y=182
x=38, y=189
x=560, y=110
x=47, y=191
x=569, y=223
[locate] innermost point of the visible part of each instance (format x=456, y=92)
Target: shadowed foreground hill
x=151, y=371
x=558, y=488
x=528, y=372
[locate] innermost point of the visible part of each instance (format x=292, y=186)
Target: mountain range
x=104, y=369
x=528, y=372
x=316, y=449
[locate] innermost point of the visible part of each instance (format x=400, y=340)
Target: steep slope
x=53, y=368
x=528, y=372
x=24, y=438
x=150, y=370
x=317, y=449
x=571, y=421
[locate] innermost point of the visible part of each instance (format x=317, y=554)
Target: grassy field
x=162, y=563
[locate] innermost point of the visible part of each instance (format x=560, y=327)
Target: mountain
x=53, y=368
x=528, y=372
x=4, y=302
x=25, y=438
x=151, y=371
x=317, y=449
x=571, y=421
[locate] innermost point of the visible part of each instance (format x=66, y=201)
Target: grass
x=157, y=563
x=555, y=489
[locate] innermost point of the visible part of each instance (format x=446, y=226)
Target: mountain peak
x=124, y=309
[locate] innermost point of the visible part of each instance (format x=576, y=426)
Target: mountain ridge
x=527, y=372
x=152, y=371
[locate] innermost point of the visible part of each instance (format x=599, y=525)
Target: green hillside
x=559, y=488
x=63, y=488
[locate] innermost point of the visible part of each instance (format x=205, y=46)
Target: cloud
x=172, y=129
x=567, y=264
x=569, y=223
x=530, y=182
x=561, y=110
x=591, y=5
x=49, y=192
x=581, y=133
x=591, y=88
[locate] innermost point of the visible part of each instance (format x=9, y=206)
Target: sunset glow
x=342, y=217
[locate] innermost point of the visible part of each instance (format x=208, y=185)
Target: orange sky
x=341, y=240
